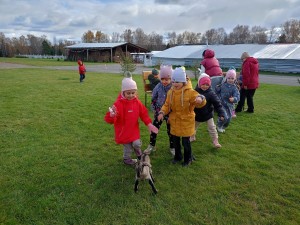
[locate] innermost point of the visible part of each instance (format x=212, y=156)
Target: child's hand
x=160, y=116
x=152, y=128
x=112, y=111
x=198, y=100
x=221, y=118
x=231, y=99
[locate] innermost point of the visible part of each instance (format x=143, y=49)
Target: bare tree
x=291, y=30
x=155, y=42
x=140, y=38
x=35, y=44
x=116, y=37
x=258, y=35
x=127, y=36
x=214, y=36
x=2, y=45
x=239, y=35
x=172, y=39
x=180, y=39
x=192, y=38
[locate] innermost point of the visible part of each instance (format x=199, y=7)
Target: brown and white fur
x=144, y=172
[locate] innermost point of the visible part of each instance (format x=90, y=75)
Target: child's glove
x=152, y=128
x=112, y=111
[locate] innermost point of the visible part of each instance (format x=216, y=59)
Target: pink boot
x=216, y=143
x=233, y=114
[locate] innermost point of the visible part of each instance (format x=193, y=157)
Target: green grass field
x=59, y=163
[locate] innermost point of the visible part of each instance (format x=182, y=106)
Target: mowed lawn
x=59, y=163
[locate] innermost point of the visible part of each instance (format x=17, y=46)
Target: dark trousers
x=157, y=124
x=186, y=146
x=82, y=76
x=246, y=94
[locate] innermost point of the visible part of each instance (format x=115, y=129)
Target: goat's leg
x=152, y=185
x=152, y=178
x=136, y=185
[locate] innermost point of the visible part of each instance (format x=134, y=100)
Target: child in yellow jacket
x=179, y=105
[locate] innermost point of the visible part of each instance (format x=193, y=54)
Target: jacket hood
x=209, y=53
x=79, y=62
x=252, y=60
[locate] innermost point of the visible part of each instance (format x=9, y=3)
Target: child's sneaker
x=130, y=162
x=192, y=138
x=149, y=149
x=220, y=130
x=172, y=150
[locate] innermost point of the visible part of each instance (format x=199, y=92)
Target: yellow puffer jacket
x=180, y=106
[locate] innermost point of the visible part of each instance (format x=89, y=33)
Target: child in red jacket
x=81, y=70
x=124, y=115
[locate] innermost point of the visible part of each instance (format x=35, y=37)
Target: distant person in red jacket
x=124, y=115
x=81, y=70
x=250, y=82
x=211, y=66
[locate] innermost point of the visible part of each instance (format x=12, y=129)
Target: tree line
x=288, y=32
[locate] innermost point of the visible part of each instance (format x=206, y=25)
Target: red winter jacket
x=81, y=68
x=126, y=122
x=249, y=73
x=211, y=64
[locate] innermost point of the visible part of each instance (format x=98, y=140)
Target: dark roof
x=105, y=46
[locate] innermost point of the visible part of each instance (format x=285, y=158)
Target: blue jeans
x=82, y=76
x=227, y=117
x=215, y=80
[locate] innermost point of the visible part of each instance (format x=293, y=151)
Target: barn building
x=102, y=52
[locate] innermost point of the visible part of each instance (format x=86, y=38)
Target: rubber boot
x=216, y=143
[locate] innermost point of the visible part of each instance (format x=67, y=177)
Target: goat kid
x=144, y=172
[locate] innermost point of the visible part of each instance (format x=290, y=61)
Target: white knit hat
x=179, y=75
x=128, y=84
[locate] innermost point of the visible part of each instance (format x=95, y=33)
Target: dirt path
x=116, y=68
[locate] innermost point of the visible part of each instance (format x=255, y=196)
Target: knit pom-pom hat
x=165, y=71
x=202, y=75
x=128, y=84
x=204, y=80
x=179, y=75
x=231, y=74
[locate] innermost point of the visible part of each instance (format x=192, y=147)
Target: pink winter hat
x=231, y=74
x=165, y=71
x=128, y=84
x=204, y=80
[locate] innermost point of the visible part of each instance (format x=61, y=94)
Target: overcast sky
x=70, y=19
